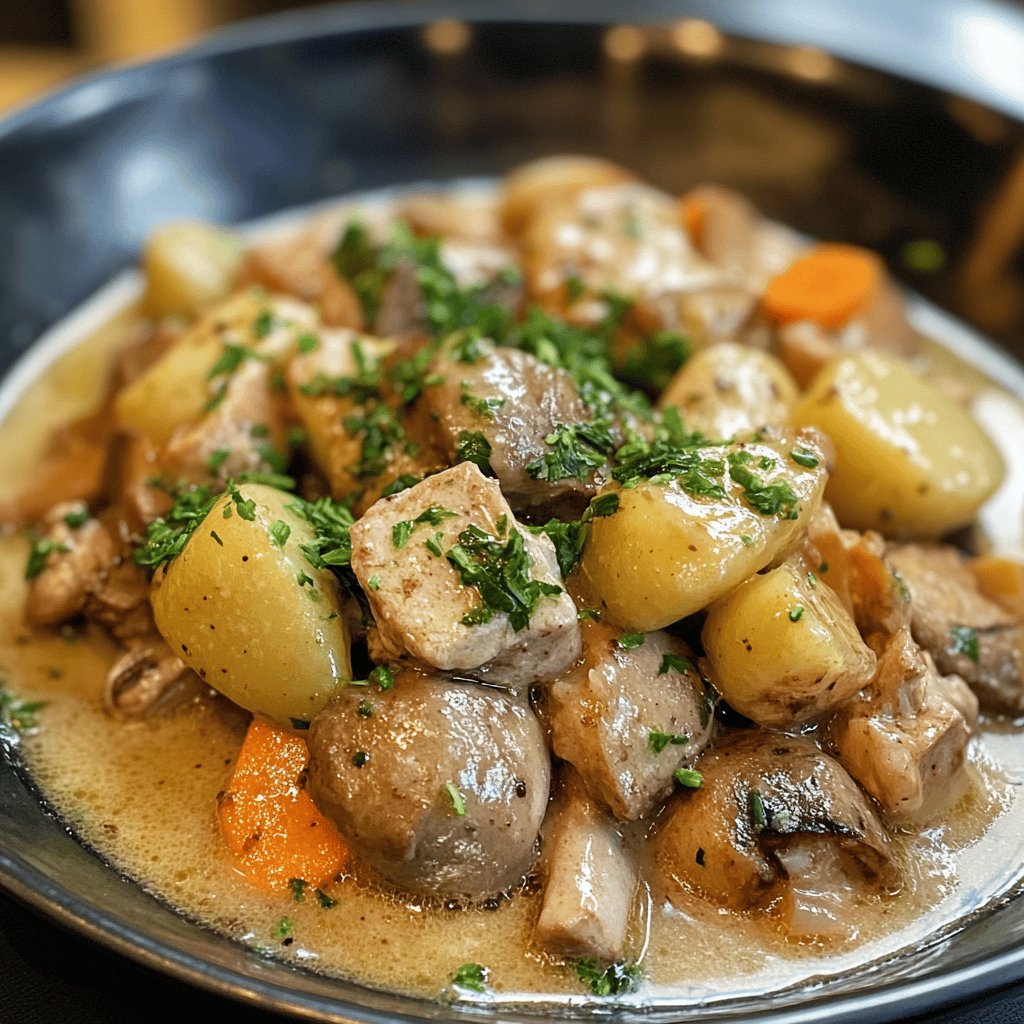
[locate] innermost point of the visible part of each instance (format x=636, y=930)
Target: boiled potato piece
x=189, y=265
x=177, y=388
x=668, y=552
x=910, y=461
x=250, y=615
x=783, y=648
x=549, y=180
x=731, y=390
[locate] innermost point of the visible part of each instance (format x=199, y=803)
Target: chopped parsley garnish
x=374, y=581
x=630, y=641
x=326, y=902
x=298, y=889
x=570, y=537
x=365, y=709
x=263, y=324
x=332, y=548
x=284, y=928
x=378, y=429
x=279, y=531
x=776, y=499
x=360, y=759
x=472, y=977
x=383, y=676
x=167, y=536
x=758, y=816
x=964, y=640
x=499, y=569
x=402, y=530
x=688, y=777
x=481, y=406
x=674, y=663
x=217, y=459
x=577, y=449
x=216, y=536
x=457, y=799
x=20, y=715
x=307, y=342
x=574, y=288
x=796, y=613
x=620, y=978
x=40, y=550
x=658, y=740
x=76, y=518
x=653, y=362
x=588, y=613
x=802, y=457
x=472, y=446
x=470, y=348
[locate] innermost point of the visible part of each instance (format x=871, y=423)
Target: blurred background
x=45, y=42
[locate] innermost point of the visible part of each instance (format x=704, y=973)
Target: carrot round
x=829, y=286
x=271, y=827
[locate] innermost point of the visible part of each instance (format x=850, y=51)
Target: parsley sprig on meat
x=498, y=567
x=167, y=536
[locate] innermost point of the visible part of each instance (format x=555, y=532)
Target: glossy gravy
x=143, y=795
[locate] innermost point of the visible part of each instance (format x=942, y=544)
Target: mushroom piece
x=627, y=717
x=904, y=741
x=438, y=784
x=966, y=633
x=590, y=878
x=776, y=823
x=148, y=678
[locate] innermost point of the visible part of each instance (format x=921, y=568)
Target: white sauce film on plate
x=691, y=953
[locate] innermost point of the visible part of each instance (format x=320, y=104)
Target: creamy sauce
x=143, y=794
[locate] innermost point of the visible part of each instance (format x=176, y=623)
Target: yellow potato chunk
x=910, y=461
x=783, y=649
x=247, y=611
x=549, y=180
x=731, y=390
x=180, y=385
x=673, y=547
x=189, y=265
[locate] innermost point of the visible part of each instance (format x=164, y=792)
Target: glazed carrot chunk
x=270, y=824
x=829, y=286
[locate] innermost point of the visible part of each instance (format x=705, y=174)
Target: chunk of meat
x=763, y=797
x=629, y=239
x=439, y=785
x=405, y=550
x=903, y=741
x=967, y=634
x=590, y=878
x=356, y=439
x=77, y=558
x=132, y=470
x=245, y=433
x=515, y=402
x=731, y=232
x=628, y=717
x=854, y=565
x=300, y=267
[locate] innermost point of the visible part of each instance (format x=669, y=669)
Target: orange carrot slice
x=829, y=286
x=693, y=213
x=270, y=824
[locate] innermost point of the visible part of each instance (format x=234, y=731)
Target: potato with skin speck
x=178, y=387
x=667, y=553
x=783, y=649
x=910, y=461
x=251, y=615
x=731, y=390
x=189, y=265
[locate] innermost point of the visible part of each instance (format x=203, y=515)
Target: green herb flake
x=688, y=777
x=630, y=641
x=217, y=459
x=326, y=902
x=279, y=531
x=76, y=518
x=674, y=663
x=20, y=715
x=588, y=613
x=216, y=537
x=756, y=807
x=307, y=342
x=472, y=446
x=374, y=581
x=577, y=449
x=365, y=709
x=383, y=676
x=298, y=889
x=40, y=550
x=620, y=978
x=167, y=536
x=964, y=640
x=484, y=407
x=456, y=798
x=285, y=928
x=360, y=759
x=472, y=977
x=658, y=740
x=796, y=613
x=802, y=457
